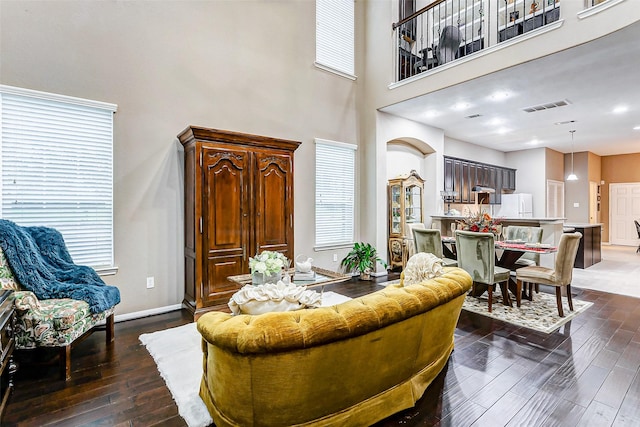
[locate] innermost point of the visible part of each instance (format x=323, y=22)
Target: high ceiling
x=594, y=79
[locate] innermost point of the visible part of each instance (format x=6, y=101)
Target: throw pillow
x=420, y=267
x=252, y=299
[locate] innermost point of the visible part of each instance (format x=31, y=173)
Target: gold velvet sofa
x=350, y=364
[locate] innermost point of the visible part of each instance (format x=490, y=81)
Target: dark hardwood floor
x=587, y=373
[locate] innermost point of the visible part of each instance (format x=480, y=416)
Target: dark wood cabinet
x=238, y=203
x=466, y=183
x=462, y=175
x=509, y=179
x=589, y=249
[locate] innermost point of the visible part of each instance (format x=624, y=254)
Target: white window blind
x=335, y=193
x=335, y=35
x=57, y=169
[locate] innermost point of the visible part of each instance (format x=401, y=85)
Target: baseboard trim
x=146, y=313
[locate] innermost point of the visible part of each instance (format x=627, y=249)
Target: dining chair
x=559, y=276
x=529, y=235
x=477, y=256
x=412, y=244
x=638, y=231
x=430, y=241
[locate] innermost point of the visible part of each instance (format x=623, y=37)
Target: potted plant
x=362, y=258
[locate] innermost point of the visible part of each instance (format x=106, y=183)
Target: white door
x=624, y=207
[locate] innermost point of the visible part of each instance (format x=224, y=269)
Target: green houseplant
x=362, y=258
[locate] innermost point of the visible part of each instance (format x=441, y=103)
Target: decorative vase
x=262, y=278
x=365, y=275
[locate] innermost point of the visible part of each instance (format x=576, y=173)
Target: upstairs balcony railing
x=446, y=30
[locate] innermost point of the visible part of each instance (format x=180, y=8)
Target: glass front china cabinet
x=405, y=209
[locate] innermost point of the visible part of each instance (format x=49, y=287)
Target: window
x=335, y=36
x=56, y=157
x=335, y=193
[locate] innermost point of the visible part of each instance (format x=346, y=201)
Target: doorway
x=624, y=207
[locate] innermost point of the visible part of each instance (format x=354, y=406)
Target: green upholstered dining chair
x=412, y=226
x=430, y=241
x=477, y=256
x=559, y=277
x=529, y=235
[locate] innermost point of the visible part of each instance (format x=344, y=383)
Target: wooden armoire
x=238, y=191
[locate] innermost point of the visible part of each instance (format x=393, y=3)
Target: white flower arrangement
x=268, y=263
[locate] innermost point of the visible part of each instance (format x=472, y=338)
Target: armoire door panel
x=274, y=206
x=218, y=269
x=225, y=204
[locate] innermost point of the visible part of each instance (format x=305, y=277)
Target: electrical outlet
x=576, y=205
x=335, y=257
x=150, y=282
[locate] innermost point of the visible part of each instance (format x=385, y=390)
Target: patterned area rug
x=541, y=314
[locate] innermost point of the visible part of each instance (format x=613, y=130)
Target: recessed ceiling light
x=636, y=128
x=499, y=95
x=432, y=113
x=534, y=141
x=620, y=109
x=495, y=121
x=502, y=131
x=460, y=106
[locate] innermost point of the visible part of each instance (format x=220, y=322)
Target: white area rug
x=175, y=349
x=390, y=282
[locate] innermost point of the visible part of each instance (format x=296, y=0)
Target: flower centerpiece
x=267, y=267
x=481, y=222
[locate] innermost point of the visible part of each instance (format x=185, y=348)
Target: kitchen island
x=551, y=230
x=589, y=250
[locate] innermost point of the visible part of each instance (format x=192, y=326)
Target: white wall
x=469, y=151
x=531, y=176
x=240, y=66
x=431, y=165
x=402, y=159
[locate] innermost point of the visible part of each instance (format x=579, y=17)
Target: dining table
x=508, y=252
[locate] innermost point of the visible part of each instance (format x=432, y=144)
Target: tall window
x=335, y=193
x=335, y=36
x=57, y=169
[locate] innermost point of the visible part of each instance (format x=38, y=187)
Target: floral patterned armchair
x=51, y=322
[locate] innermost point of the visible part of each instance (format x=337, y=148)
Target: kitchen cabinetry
x=462, y=175
x=238, y=202
x=405, y=209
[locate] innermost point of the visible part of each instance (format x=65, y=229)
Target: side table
x=323, y=277
x=7, y=345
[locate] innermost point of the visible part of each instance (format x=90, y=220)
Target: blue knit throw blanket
x=41, y=264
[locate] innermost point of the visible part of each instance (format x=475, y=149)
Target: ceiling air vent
x=548, y=106
x=473, y=116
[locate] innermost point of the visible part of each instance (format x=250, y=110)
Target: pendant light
x=572, y=176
